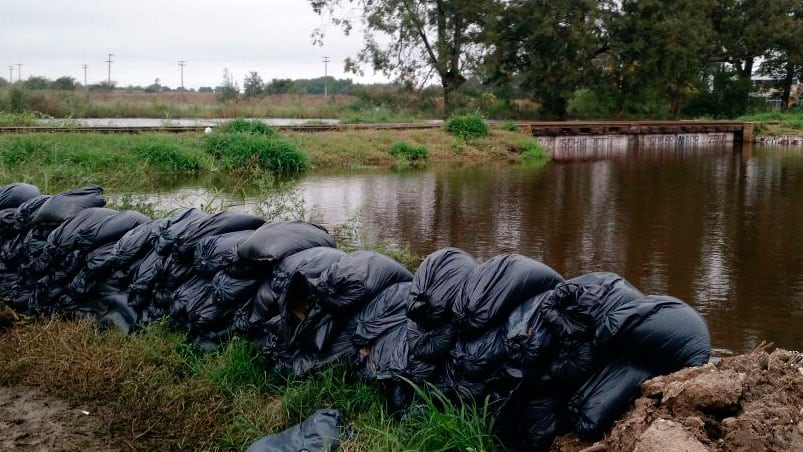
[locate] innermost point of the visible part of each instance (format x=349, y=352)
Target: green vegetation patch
x=406, y=152
x=245, y=150
x=532, y=152
x=467, y=127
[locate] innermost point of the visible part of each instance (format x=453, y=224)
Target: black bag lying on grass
x=12, y=195
x=496, y=287
x=231, y=291
x=251, y=318
x=321, y=432
x=437, y=283
x=65, y=205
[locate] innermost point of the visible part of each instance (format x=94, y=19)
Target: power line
x=109, y=80
x=182, y=63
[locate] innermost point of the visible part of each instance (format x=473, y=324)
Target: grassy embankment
x=142, y=162
x=155, y=392
x=777, y=124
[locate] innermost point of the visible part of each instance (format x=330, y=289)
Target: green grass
x=17, y=119
x=467, y=127
x=157, y=392
x=777, y=123
x=244, y=150
x=532, y=153
x=248, y=126
x=407, y=153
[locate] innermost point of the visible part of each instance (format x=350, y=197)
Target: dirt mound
x=746, y=402
x=32, y=420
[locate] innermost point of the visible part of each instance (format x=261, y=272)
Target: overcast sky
x=149, y=37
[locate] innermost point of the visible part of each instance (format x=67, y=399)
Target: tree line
x=613, y=58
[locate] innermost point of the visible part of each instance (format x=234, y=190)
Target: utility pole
x=326, y=61
x=11, y=73
x=182, y=63
x=109, y=80
x=85, y=66
x=19, y=71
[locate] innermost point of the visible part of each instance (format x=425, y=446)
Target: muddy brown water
x=719, y=228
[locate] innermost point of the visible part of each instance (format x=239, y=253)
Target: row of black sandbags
x=551, y=355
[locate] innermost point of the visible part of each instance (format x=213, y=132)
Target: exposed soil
x=747, y=402
x=31, y=420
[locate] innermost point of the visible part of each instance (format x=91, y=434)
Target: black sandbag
x=669, y=336
x=11, y=251
x=82, y=284
x=146, y=273
x=119, y=314
x=430, y=345
x=217, y=252
x=436, y=284
x=478, y=358
x=277, y=240
x=65, y=205
x=67, y=235
x=530, y=425
x=164, y=239
x=529, y=339
x=321, y=432
x=605, y=397
x=137, y=242
x=301, y=363
x=311, y=262
x=12, y=195
x=189, y=301
x=27, y=211
x=574, y=361
x=231, y=291
x=356, y=278
x=174, y=273
x=217, y=224
x=252, y=318
x=382, y=360
x=582, y=306
x=385, y=312
x=109, y=230
x=7, y=222
x=494, y=288
x=102, y=259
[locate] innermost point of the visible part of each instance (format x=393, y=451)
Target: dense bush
x=467, y=127
x=249, y=150
x=532, y=152
x=406, y=152
x=169, y=156
x=249, y=126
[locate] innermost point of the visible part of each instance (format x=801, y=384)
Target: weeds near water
x=408, y=155
x=532, y=153
x=467, y=127
x=250, y=144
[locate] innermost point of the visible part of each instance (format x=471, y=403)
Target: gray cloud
x=148, y=37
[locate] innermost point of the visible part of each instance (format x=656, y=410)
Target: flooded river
x=720, y=229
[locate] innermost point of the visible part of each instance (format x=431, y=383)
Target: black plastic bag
x=146, y=274
x=27, y=211
x=575, y=360
x=356, y=278
x=311, y=262
x=668, y=336
x=220, y=223
x=164, y=239
x=102, y=259
x=529, y=339
x=67, y=235
x=531, y=424
x=217, y=252
x=382, y=360
x=174, y=273
x=136, y=243
x=252, y=318
x=478, y=358
x=580, y=307
x=437, y=283
x=319, y=433
x=279, y=239
x=7, y=221
x=110, y=230
x=385, y=312
x=65, y=205
x=190, y=304
x=430, y=345
x=12, y=195
x=496, y=287
x=119, y=314
x=605, y=397
x=301, y=363
x=231, y=291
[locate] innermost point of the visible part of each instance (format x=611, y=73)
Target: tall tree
x=413, y=39
x=253, y=86
x=551, y=47
x=784, y=59
x=658, y=51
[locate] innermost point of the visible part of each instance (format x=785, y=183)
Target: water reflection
x=717, y=228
